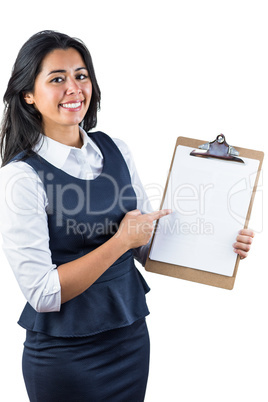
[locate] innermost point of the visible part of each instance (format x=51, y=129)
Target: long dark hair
x=22, y=123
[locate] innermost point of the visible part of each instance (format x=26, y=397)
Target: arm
x=44, y=286
x=23, y=224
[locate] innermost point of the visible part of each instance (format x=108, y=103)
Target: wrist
x=120, y=243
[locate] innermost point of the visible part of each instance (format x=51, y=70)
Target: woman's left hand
x=243, y=242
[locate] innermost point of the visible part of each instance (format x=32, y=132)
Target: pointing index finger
x=159, y=214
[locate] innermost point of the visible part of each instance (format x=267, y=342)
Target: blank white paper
x=210, y=200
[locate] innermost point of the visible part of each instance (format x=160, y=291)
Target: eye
x=81, y=77
x=57, y=80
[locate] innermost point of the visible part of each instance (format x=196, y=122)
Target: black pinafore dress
x=96, y=348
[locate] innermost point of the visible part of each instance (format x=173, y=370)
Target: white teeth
x=71, y=105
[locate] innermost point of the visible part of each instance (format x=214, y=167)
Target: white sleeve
x=24, y=229
x=143, y=202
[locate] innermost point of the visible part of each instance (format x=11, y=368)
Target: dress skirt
x=111, y=366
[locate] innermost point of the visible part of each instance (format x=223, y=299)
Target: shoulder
x=120, y=144
x=123, y=147
x=16, y=169
x=19, y=180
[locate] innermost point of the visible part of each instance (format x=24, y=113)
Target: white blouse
x=23, y=217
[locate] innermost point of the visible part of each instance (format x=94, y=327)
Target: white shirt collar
x=57, y=153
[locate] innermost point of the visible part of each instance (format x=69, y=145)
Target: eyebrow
x=64, y=71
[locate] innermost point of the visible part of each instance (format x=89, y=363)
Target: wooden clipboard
x=215, y=149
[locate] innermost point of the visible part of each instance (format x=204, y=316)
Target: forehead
x=60, y=59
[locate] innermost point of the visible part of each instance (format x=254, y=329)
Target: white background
x=166, y=69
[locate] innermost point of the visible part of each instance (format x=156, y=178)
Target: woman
x=71, y=225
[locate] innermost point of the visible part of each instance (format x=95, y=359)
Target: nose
x=73, y=87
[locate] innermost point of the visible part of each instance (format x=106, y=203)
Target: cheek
x=47, y=95
x=47, y=102
x=88, y=91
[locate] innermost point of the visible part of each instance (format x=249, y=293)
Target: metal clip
x=217, y=149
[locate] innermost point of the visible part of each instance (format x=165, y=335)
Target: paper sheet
x=209, y=199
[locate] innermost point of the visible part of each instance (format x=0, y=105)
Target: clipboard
x=215, y=155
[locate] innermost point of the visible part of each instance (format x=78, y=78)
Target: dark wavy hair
x=22, y=123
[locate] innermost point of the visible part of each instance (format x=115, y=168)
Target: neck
x=66, y=135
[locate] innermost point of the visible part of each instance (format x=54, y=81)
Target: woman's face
x=62, y=90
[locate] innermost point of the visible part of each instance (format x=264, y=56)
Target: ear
x=28, y=97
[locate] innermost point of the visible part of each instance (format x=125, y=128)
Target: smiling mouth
x=75, y=105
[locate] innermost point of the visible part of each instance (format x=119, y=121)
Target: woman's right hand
x=135, y=229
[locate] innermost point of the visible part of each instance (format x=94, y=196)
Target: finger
x=244, y=239
x=241, y=253
x=134, y=212
x=247, y=232
x=243, y=245
x=158, y=214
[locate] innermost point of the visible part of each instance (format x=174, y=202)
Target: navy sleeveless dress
x=96, y=348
